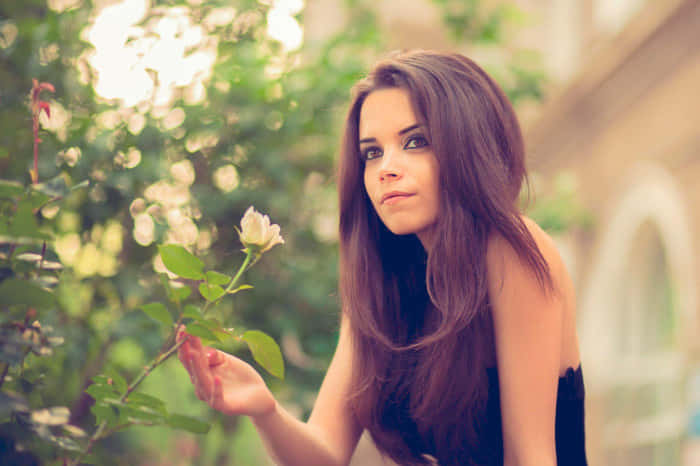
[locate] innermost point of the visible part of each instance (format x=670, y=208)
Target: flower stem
x=244, y=267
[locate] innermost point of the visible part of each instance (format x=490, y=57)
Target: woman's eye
x=416, y=142
x=371, y=153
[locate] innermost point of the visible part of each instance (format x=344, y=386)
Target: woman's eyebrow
x=403, y=131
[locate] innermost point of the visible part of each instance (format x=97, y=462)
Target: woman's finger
x=216, y=393
x=194, y=342
x=214, y=357
x=184, y=354
x=200, y=367
x=184, y=349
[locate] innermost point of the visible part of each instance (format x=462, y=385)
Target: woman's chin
x=401, y=230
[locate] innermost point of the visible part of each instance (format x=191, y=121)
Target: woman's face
x=401, y=171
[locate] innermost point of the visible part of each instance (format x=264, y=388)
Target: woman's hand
x=223, y=381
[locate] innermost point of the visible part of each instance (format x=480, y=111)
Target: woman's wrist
x=265, y=416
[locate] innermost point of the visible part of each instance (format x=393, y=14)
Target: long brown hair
x=420, y=322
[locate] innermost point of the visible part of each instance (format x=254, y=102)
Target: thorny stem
x=35, y=130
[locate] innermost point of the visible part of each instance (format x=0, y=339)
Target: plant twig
x=160, y=359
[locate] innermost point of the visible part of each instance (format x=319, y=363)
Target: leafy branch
x=117, y=405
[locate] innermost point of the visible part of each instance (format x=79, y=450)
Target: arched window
x=637, y=318
x=643, y=404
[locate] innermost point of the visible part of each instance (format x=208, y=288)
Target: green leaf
x=215, y=327
x=101, y=380
x=151, y=402
x=187, y=423
x=211, y=324
x=55, y=187
x=24, y=223
x=118, y=382
x=217, y=278
x=181, y=262
x=81, y=185
x=210, y=292
x=178, y=295
x=165, y=281
x=265, y=351
x=159, y=312
x=240, y=288
x=200, y=331
x=192, y=312
x=37, y=199
x=102, y=392
x=104, y=412
x=10, y=189
x=14, y=291
x=142, y=412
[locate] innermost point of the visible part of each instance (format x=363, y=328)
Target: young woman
x=457, y=341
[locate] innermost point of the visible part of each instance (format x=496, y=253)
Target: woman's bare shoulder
x=549, y=250
x=501, y=255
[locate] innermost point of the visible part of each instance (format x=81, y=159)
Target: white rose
x=256, y=231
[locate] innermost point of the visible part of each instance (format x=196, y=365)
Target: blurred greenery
x=265, y=134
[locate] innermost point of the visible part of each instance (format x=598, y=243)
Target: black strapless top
x=569, y=425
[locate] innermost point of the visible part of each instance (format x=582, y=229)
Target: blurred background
x=182, y=113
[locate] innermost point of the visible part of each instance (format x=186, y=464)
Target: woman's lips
x=394, y=198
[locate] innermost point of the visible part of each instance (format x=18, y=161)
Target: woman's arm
x=528, y=331
x=331, y=424
x=233, y=387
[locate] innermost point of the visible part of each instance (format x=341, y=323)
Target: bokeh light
x=180, y=53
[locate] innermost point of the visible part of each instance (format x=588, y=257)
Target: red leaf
x=37, y=87
x=46, y=87
x=45, y=107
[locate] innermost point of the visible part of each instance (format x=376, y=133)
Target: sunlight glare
x=282, y=26
x=126, y=56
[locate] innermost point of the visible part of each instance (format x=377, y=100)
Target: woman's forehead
x=385, y=112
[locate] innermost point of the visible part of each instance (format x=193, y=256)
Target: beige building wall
x=626, y=126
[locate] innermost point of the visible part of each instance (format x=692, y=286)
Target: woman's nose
x=390, y=167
